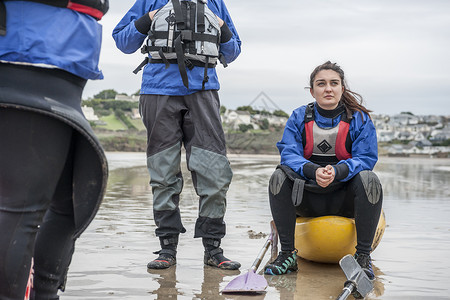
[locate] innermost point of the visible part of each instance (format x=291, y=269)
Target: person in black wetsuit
x=328, y=151
x=53, y=171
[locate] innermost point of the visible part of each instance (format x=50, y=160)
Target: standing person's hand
x=325, y=176
x=152, y=14
x=220, y=21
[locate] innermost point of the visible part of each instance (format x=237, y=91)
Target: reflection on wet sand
x=167, y=281
x=111, y=256
x=210, y=285
x=212, y=278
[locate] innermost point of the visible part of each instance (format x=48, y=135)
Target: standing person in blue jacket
x=53, y=171
x=328, y=151
x=179, y=105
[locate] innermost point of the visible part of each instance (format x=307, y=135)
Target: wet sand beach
x=110, y=259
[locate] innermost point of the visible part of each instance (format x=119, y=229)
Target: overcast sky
x=395, y=53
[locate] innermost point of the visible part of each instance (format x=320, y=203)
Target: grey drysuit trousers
x=192, y=120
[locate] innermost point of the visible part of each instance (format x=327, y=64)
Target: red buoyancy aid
x=331, y=149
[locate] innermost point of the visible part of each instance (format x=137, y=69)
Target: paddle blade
x=249, y=282
x=355, y=274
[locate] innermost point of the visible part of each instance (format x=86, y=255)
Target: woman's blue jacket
x=362, y=133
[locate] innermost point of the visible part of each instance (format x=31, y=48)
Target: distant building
x=135, y=114
x=132, y=98
x=405, y=119
x=273, y=120
x=440, y=134
x=234, y=118
x=89, y=113
x=385, y=136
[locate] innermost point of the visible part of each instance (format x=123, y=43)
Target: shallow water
x=110, y=260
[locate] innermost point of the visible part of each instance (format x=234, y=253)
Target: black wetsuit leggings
x=350, y=201
x=36, y=211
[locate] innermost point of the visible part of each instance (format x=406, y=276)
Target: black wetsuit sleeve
x=225, y=33
x=309, y=169
x=341, y=171
x=143, y=24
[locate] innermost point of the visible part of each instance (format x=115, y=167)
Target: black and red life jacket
x=326, y=146
x=93, y=8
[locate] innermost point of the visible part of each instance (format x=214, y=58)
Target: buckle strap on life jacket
x=205, y=74
x=200, y=14
x=191, y=7
x=178, y=14
x=186, y=36
x=163, y=58
x=180, y=60
x=309, y=112
x=141, y=65
x=188, y=62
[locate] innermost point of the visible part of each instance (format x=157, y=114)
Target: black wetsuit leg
x=33, y=154
x=55, y=242
x=367, y=212
x=283, y=210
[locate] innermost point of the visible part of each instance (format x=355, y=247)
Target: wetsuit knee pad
x=276, y=181
x=372, y=186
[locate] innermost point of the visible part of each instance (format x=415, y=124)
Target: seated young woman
x=328, y=151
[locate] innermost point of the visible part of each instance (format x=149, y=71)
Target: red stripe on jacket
x=85, y=9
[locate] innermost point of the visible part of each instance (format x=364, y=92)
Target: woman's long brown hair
x=353, y=101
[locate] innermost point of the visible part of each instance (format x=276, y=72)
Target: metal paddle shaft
x=274, y=248
x=251, y=282
x=357, y=280
x=346, y=291
x=261, y=254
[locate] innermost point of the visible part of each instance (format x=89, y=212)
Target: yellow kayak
x=329, y=238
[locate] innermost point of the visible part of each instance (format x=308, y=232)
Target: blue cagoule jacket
x=156, y=79
x=364, y=149
x=32, y=39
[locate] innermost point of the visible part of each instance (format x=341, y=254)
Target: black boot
x=365, y=262
x=167, y=254
x=214, y=256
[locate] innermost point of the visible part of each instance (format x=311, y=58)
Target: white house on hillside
x=89, y=113
x=273, y=120
x=132, y=98
x=405, y=119
x=135, y=114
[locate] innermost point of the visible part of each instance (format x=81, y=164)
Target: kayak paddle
x=251, y=282
x=357, y=282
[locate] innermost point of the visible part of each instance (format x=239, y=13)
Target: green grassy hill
x=118, y=131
